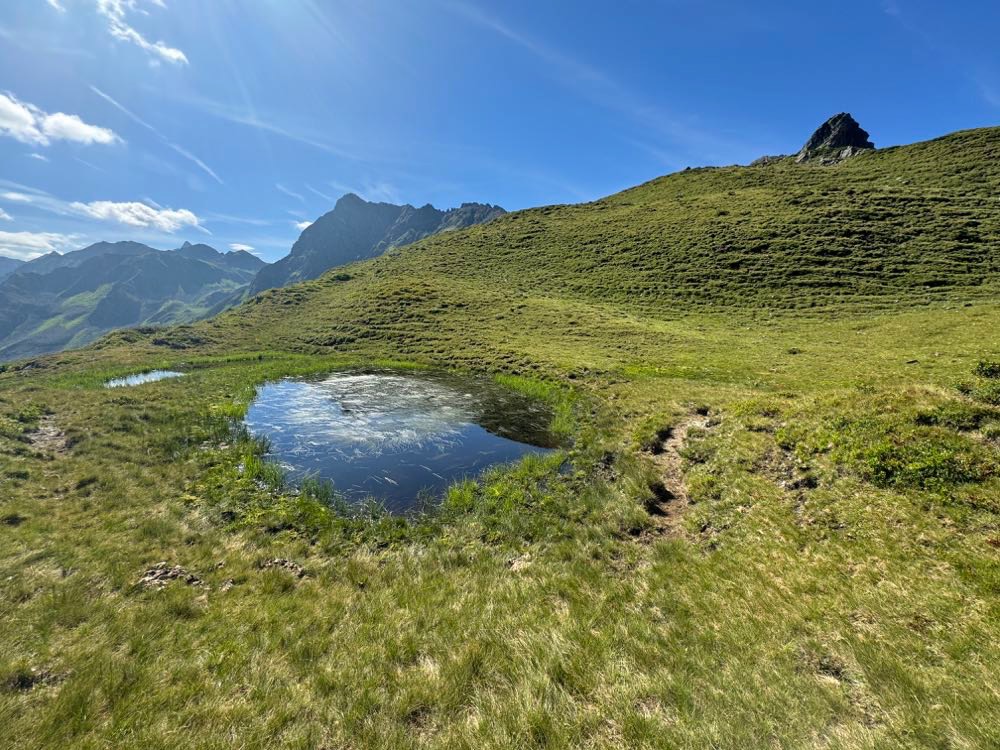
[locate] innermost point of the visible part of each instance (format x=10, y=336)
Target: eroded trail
x=669, y=495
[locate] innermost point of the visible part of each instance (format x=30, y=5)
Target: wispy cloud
x=177, y=148
x=254, y=221
x=290, y=193
x=4, y=216
x=302, y=225
x=56, y=4
x=601, y=88
x=321, y=194
x=990, y=93
x=116, y=13
x=38, y=157
x=296, y=133
x=29, y=245
x=16, y=197
x=371, y=190
x=240, y=247
x=30, y=124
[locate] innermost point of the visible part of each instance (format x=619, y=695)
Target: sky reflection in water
x=394, y=436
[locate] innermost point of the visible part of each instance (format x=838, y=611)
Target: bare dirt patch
x=669, y=496
x=48, y=438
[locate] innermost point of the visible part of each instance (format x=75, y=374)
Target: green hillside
x=775, y=523
x=896, y=228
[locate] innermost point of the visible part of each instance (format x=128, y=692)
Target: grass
x=834, y=583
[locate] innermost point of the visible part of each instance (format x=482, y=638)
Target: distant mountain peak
x=357, y=229
x=839, y=138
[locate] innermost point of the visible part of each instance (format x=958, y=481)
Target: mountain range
x=66, y=300
x=58, y=301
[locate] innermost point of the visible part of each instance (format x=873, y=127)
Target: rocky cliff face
x=839, y=138
x=356, y=229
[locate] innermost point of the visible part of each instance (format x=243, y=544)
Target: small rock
x=161, y=574
x=280, y=562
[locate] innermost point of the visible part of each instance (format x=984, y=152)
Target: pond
x=145, y=377
x=399, y=438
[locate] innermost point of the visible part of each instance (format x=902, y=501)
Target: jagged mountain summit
x=56, y=300
x=839, y=138
x=356, y=230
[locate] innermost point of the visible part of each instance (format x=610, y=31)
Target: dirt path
x=669, y=496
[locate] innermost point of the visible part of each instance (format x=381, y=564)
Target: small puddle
x=145, y=377
x=395, y=437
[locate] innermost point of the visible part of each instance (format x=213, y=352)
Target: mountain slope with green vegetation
x=776, y=521
x=58, y=301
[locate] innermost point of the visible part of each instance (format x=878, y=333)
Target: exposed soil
x=669, y=496
x=48, y=438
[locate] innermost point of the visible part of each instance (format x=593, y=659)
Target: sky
x=236, y=122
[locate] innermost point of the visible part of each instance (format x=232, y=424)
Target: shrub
x=928, y=462
x=988, y=369
x=955, y=415
x=988, y=392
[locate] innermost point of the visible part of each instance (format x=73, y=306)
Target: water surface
x=144, y=377
x=398, y=438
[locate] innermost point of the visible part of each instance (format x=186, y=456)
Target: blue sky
x=233, y=121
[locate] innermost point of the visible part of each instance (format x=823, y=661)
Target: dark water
x=145, y=377
x=395, y=437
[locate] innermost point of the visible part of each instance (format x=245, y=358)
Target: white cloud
x=28, y=124
x=115, y=11
x=28, y=245
x=63, y=127
x=4, y=216
x=302, y=225
x=179, y=149
x=238, y=246
x=16, y=197
x=39, y=157
x=55, y=4
x=135, y=214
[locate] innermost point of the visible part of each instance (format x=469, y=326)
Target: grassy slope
x=835, y=582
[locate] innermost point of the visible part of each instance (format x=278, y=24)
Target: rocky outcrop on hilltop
x=839, y=138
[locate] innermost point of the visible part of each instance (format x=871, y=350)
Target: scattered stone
x=13, y=519
x=227, y=585
x=161, y=574
x=279, y=562
x=839, y=138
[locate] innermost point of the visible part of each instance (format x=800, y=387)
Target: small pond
x=145, y=377
x=396, y=437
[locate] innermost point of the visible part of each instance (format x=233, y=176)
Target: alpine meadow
x=764, y=512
